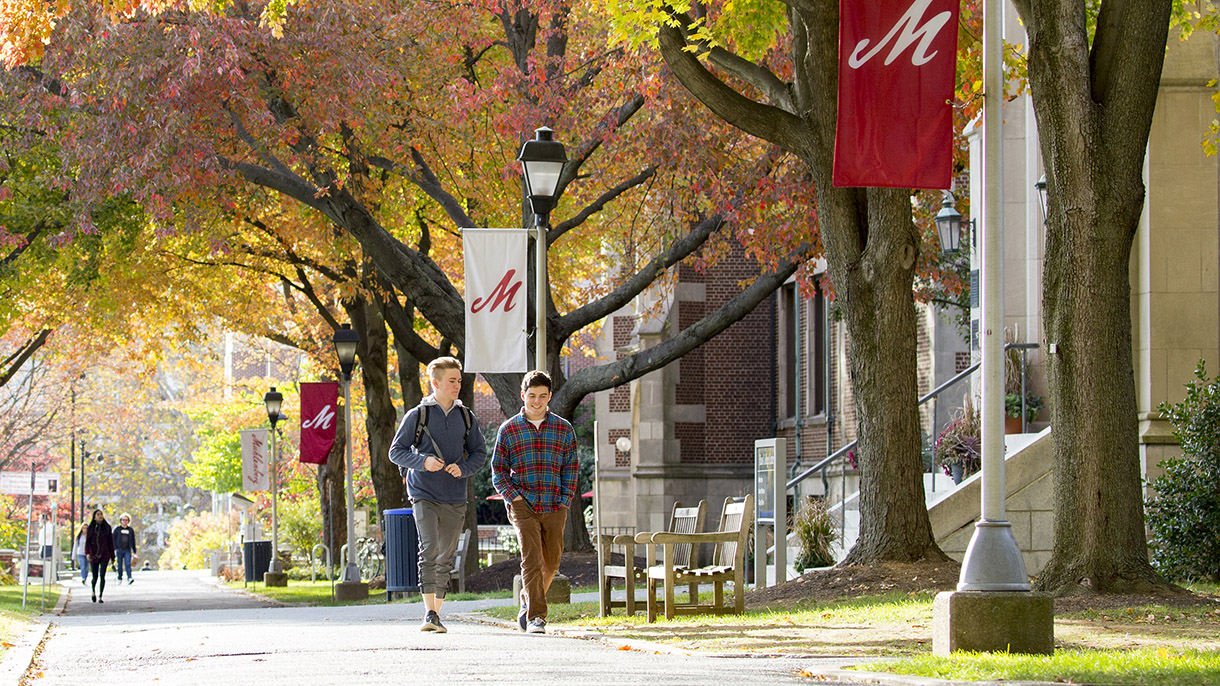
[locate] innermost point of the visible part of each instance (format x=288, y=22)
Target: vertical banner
x=255, y=460
x=319, y=405
x=495, y=300
x=897, y=63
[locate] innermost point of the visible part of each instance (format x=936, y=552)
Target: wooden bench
x=457, y=575
x=728, y=563
x=681, y=520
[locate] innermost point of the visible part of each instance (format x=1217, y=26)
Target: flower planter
x=1012, y=425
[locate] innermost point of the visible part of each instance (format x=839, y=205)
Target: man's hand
x=453, y=470
x=433, y=463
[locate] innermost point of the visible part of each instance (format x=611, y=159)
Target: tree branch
x=764, y=121
x=599, y=378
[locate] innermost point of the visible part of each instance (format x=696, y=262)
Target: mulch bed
x=580, y=568
x=838, y=583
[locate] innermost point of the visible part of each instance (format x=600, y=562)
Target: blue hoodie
x=448, y=429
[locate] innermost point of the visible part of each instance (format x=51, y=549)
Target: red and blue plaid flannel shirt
x=536, y=463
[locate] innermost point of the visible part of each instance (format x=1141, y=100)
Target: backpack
x=422, y=421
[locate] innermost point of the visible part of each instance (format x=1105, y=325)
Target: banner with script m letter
x=495, y=299
x=897, y=62
x=255, y=460
x=319, y=403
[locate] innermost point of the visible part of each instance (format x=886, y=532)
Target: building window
x=787, y=351
x=816, y=328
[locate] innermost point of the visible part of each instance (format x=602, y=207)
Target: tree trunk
x=380, y=416
x=1094, y=113
x=332, y=497
x=879, y=311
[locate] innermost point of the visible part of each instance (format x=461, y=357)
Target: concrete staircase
x=953, y=509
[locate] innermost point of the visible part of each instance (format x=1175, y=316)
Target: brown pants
x=541, y=536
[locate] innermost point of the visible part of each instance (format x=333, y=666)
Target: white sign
x=18, y=483
x=255, y=460
x=495, y=299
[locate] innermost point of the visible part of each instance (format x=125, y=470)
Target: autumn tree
x=771, y=70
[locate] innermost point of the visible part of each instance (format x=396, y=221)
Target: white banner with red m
x=495, y=299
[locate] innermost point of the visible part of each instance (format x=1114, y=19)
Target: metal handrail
x=825, y=462
x=330, y=574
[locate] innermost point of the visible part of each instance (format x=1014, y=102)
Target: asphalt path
x=180, y=628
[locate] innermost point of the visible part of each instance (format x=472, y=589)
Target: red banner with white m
x=897, y=63
x=319, y=420
x=495, y=299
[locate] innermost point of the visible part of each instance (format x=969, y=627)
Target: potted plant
x=958, y=448
x=1012, y=410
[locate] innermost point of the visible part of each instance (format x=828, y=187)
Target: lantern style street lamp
x=1040, y=184
x=272, y=401
x=542, y=160
x=345, y=341
x=949, y=226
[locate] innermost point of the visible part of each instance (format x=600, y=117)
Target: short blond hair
x=439, y=365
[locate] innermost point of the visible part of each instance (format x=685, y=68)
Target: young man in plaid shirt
x=534, y=467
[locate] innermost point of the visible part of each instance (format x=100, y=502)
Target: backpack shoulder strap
x=421, y=422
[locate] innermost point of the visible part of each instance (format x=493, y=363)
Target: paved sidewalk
x=178, y=628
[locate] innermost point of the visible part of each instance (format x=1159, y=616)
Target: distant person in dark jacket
x=124, y=545
x=99, y=550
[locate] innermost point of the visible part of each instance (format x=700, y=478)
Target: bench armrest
x=665, y=537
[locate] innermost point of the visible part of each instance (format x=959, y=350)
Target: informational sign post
x=771, y=507
x=29, y=484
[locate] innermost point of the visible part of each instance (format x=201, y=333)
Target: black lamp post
x=949, y=226
x=345, y=347
x=272, y=401
x=542, y=160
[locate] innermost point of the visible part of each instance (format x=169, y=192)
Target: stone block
x=984, y=621
x=275, y=579
x=351, y=590
x=559, y=592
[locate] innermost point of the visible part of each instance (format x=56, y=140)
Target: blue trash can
x=401, y=551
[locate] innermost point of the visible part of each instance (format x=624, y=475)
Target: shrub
x=189, y=537
x=1184, y=513
x=815, y=530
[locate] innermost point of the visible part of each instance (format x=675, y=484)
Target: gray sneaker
x=432, y=622
x=522, y=621
x=537, y=626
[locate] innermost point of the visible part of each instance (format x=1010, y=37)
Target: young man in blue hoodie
x=439, y=456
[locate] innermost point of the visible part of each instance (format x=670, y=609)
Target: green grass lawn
x=14, y=619
x=1135, y=667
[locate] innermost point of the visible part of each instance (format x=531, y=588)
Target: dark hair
x=536, y=378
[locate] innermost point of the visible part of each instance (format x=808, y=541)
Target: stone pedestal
x=993, y=621
x=559, y=592
x=275, y=578
x=351, y=590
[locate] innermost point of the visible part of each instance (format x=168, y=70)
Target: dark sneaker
x=436, y=621
x=130, y=580
x=521, y=620
x=430, y=622
x=94, y=598
x=537, y=626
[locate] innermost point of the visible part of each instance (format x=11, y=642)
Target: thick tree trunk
x=879, y=311
x=1094, y=108
x=380, y=417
